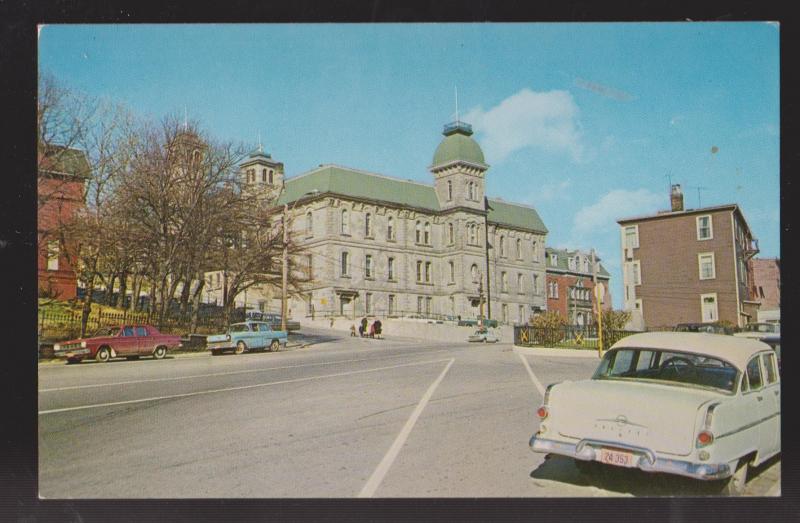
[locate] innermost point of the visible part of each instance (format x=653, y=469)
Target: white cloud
x=601, y=217
x=549, y=192
x=546, y=120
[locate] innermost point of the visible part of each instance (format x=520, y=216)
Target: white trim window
x=631, y=234
x=53, y=252
x=636, y=266
x=705, y=227
x=709, y=308
x=705, y=262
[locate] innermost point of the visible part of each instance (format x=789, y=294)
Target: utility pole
x=480, y=300
x=598, y=295
x=285, y=275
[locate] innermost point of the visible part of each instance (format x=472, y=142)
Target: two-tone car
x=483, y=336
x=247, y=336
x=128, y=341
x=706, y=406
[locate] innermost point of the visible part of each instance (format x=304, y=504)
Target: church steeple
x=260, y=175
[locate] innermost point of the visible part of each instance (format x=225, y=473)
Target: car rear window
x=239, y=327
x=673, y=367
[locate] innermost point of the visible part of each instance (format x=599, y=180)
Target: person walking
x=353, y=331
x=377, y=325
x=363, y=328
x=372, y=330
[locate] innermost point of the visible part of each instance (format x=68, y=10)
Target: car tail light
x=542, y=412
x=705, y=438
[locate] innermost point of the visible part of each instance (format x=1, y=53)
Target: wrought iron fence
x=567, y=336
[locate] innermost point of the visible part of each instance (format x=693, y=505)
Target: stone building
x=570, y=285
x=381, y=246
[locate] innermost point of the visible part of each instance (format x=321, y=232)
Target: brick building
x=60, y=194
x=570, y=285
x=766, y=287
x=689, y=265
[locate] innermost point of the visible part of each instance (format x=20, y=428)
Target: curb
x=562, y=353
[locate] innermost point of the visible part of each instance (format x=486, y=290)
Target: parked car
x=759, y=330
x=129, y=341
x=474, y=323
x=711, y=328
x=774, y=341
x=484, y=335
x=247, y=336
x=704, y=406
x=273, y=319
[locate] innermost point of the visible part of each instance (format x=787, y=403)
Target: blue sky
x=583, y=121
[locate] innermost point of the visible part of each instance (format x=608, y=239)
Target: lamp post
x=285, y=271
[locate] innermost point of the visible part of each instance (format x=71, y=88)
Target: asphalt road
x=344, y=417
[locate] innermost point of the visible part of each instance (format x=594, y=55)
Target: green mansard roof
x=346, y=182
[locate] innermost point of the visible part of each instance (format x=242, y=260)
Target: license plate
x=615, y=457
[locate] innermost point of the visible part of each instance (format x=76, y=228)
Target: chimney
x=676, y=198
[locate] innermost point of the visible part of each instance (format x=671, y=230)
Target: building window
x=706, y=262
x=390, y=269
x=534, y=252
x=309, y=224
x=428, y=302
x=427, y=272
x=391, y=304
x=470, y=191
x=52, y=255
x=571, y=263
x=419, y=304
x=636, y=271
x=368, y=266
x=270, y=177
x=419, y=271
x=504, y=281
x=519, y=249
x=708, y=307
x=345, y=222
x=502, y=246
x=505, y=313
x=554, y=259
x=450, y=234
x=452, y=271
x=368, y=225
x=390, y=229
x=535, y=281
x=474, y=273
x=473, y=237
x=368, y=302
x=705, y=229
x=418, y=233
x=521, y=313
x=427, y=233
x=449, y=190
x=553, y=289
x=520, y=287
x=345, y=270
x=632, y=236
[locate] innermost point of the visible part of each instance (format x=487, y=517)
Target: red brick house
x=60, y=193
x=570, y=286
x=766, y=287
x=689, y=265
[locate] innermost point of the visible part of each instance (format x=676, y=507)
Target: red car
x=128, y=341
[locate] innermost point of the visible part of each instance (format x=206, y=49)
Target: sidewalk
x=564, y=353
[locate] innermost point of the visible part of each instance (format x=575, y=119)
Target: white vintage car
x=700, y=405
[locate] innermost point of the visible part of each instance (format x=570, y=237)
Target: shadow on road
x=627, y=482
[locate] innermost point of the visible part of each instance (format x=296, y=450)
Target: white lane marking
x=383, y=467
x=534, y=379
x=194, y=376
x=243, y=387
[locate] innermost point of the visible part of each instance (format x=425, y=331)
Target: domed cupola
x=458, y=146
x=261, y=176
x=458, y=168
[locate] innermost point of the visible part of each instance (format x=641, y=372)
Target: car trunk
x=657, y=417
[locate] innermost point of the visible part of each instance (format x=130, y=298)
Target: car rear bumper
x=648, y=461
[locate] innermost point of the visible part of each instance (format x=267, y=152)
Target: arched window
x=264, y=175
x=309, y=223
x=427, y=272
x=502, y=245
x=418, y=233
x=450, y=233
x=474, y=273
x=519, y=283
x=470, y=191
x=519, y=249
x=270, y=177
x=472, y=234
x=427, y=233
x=345, y=269
x=390, y=229
x=345, y=222
x=368, y=225
x=504, y=281
x=452, y=272
x=449, y=190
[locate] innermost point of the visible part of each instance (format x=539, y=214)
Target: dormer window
x=554, y=259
